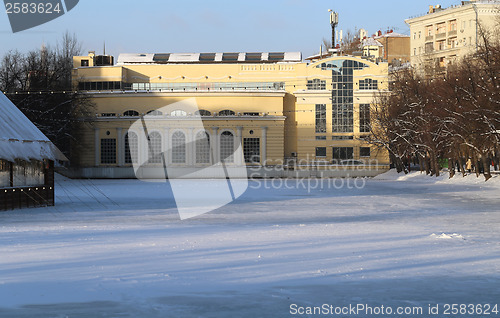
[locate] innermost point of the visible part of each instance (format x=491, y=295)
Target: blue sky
x=131, y=26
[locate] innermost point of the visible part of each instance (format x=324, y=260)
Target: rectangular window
x=428, y=30
x=441, y=45
x=343, y=153
x=429, y=47
x=250, y=114
x=131, y=148
x=368, y=84
x=343, y=119
x=364, y=118
x=452, y=25
x=230, y=56
x=342, y=137
x=320, y=137
x=320, y=118
x=108, y=151
x=343, y=95
x=415, y=51
x=441, y=28
x=207, y=57
x=452, y=43
x=276, y=56
x=19, y=171
x=251, y=149
x=364, y=152
x=85, y=63
x=253, y=57
x=316, y=84
x=320, y=151
x=419, y=34
x=4, y=174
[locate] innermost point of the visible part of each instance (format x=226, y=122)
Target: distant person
x=468, y=165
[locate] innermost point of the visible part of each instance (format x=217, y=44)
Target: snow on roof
x=20, y=138
x=371, y=42
x=135, y=58
x=165, y=58
x=392, y=35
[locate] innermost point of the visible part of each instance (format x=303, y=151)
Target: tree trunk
x=434, y=164
x=427, y=165
x=421, y=163
x=461, y=167
x=451, y=167
x=476, y=166
x=486, y=164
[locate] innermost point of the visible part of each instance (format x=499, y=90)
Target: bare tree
x=453, y=115
x=39, y=83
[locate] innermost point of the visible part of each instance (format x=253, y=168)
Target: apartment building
x=444, y=34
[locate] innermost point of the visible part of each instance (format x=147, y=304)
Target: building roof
x=371, y=42
x=392, y=35
x=171, y=58
x=438, y=10
x=20, y=138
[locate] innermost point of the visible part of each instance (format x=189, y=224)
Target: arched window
x=154, y=113
x=131, y=113
x=131, y=148
x=178, y=147
x=202, y=147
x=226, y=112
x=203, y=112
x=178, y=113
x=227, y=147
x=155, y=154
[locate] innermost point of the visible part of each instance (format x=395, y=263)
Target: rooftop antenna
x=104, y=48
x=334, y=21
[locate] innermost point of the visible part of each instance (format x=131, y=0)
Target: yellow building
x=284, y=113
x=442, y=35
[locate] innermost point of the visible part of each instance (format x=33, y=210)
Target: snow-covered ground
x=116, y=248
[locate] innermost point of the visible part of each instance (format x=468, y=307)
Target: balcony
x=440, y=36
x=452, y=33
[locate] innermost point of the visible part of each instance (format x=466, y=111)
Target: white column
x=190, y=147
x=239, y=158
x=143, y=149
x=97, y=142
x=167, y=148
x=214, y=145
x=263, y=144
x=121, y=147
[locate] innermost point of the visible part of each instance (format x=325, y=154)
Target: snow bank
x=445, y=236
x=444, y=178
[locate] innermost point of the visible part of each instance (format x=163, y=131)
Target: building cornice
x=235, y=93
